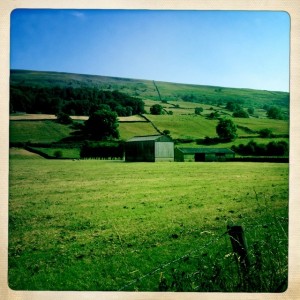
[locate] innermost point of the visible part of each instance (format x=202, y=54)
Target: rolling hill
x=178, y=101
x=146, y=90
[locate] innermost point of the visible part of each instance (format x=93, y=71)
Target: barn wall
x=140, y=151
x=164, y=151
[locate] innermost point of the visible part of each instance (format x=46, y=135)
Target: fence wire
x=248, y=228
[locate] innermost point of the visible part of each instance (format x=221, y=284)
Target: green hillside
x=45, y=131
x=145, y=89
x=178, y=101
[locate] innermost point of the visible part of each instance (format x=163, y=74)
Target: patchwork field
x=110, y=225
x=40, y=131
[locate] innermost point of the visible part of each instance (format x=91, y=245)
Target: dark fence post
x=239, y=246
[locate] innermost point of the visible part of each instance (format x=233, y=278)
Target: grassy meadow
x=96, y=225
x=45, y=131
x=111, y=225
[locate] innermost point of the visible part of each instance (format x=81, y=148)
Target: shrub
x=250, y=111
x=102, y=150
x=274, y=112
x=198, y=110
x=63, y=118
x=58, y=154
x=266, y=133
x=271, y=149
x=240, y=114
x=156, y=109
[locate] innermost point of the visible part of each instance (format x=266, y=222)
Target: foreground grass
x=100, y=225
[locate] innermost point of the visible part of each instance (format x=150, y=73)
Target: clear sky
x=241, y=49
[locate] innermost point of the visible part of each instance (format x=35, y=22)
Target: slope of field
x=47, y=131
x=130, y=129
x=193, y=126
x=145, y=89
x=17, y=153
x=110, y=225
x=38, y=131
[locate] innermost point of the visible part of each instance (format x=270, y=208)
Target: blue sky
x=241, y=49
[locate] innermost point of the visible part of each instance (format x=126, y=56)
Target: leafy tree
x=280, y=148
x=273, y=112
x=198, y=110
x=250, y=110
x=232, y=106
x=63, y=118
x=213, y=115
x=266, y=133
x=156, y=109
x=240, y=114
x=103, y=125
x=226, y=130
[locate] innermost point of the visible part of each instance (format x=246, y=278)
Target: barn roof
x=205, y=150
x=149, y=138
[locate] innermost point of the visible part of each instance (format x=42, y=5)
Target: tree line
x=102, y=150
x=274, y=148
x=72, y=101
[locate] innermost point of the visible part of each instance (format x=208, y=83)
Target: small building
x=203, y=154
x=150, y=148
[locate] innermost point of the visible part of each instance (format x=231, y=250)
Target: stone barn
x=203, y=154
x=150, y=148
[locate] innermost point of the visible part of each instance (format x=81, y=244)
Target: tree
x=226, y=130
x=232, y=106
x=266, y=133
x=156, y=109
x=63, y=118
x=103, y=125
x=250, y=110
x=198, y=110
x=240, y=114
x=274, y=112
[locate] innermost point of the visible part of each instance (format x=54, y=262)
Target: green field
x=110, y=225
x=37, y=131
x=180, y=126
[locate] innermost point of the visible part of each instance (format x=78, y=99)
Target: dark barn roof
x=205, y=150
x=162, y=138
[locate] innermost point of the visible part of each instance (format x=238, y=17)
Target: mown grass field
x=102, y=225
x=45, y=131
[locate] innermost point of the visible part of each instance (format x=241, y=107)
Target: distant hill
x=146, y=89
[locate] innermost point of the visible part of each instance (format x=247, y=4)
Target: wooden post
x=239, y=246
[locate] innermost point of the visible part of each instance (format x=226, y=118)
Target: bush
x=156, y=109
x=58, y=154
x=266, y=133
x=250, y=111
x=102, y=150
x=198, y=110
x=63, y=118
x=240, y=114
x=280, y=148
x=274, y=112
